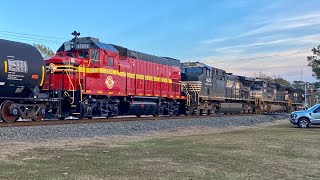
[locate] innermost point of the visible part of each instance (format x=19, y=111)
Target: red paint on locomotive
x=97, y=71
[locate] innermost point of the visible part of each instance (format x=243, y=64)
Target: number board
x=82, y=46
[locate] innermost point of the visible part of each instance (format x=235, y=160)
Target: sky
x=242, y=37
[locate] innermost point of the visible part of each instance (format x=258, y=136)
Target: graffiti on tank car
x=16, y=68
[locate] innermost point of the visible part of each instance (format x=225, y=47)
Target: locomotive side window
x=70, y=54
x=83, y=54
x=223, y=76
x=95, y=55
x=110, y=61
x=229, y=83
x=207, y=72
x=237, y=85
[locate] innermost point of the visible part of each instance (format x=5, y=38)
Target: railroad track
x=117, y=119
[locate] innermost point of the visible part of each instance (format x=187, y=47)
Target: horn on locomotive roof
x=75, y=34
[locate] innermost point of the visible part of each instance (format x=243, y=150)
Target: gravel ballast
x=127, y=128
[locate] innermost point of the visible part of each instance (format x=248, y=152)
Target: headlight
x=294, y=115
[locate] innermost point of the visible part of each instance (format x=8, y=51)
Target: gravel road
x=127, y=128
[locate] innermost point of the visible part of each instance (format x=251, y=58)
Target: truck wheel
x=303, y=123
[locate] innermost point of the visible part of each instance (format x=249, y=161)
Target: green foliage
x=314, y=62
x=298, y=84
x=282, y=81
x=45, y=51
x=275, y=79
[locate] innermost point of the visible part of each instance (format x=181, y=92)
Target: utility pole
x=305, y=95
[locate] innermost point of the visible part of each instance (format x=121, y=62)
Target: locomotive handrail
x=195, y=93
x=80, y=85
x=73, y=89
x=188, y=95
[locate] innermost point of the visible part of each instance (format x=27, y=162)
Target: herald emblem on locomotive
x=78, y=80
x=109, y=82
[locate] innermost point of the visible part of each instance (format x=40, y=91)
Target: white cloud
x=215, y=40
x=252, y=44
x=284, y=63
x=245, y=53
x=273, y=24
x=296, y=40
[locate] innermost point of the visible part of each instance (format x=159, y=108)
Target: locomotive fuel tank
x=139, y=106
x=275, y=108
x=230, y=108
x=22, y=69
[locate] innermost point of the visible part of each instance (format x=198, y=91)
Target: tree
x=314, y=62
x=298, y=84
x=282, y=81
x=263, y=76
x=45, y=51
x=275, y=79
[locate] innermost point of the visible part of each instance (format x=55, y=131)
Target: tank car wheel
x=5, y=115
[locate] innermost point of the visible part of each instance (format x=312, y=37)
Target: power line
x=32, y=35
x=28, y=38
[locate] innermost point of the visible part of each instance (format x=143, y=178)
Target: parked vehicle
x=306, y=117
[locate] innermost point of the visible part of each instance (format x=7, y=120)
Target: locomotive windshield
x=194, y=70
x=75, y=54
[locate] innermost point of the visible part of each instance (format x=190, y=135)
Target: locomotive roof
x=244, y=78
x=90, y=42
x=198, y=64
x=147, y=57
x=232, y=77
x=86, y=43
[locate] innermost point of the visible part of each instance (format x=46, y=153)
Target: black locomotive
x=212, y=90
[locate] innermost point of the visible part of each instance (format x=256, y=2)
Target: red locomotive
x=98, y=79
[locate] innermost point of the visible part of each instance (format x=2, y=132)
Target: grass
x=273, y=152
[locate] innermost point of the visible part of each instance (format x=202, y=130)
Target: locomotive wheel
x=62, y=118
x=40, y=117
x=5, y=115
